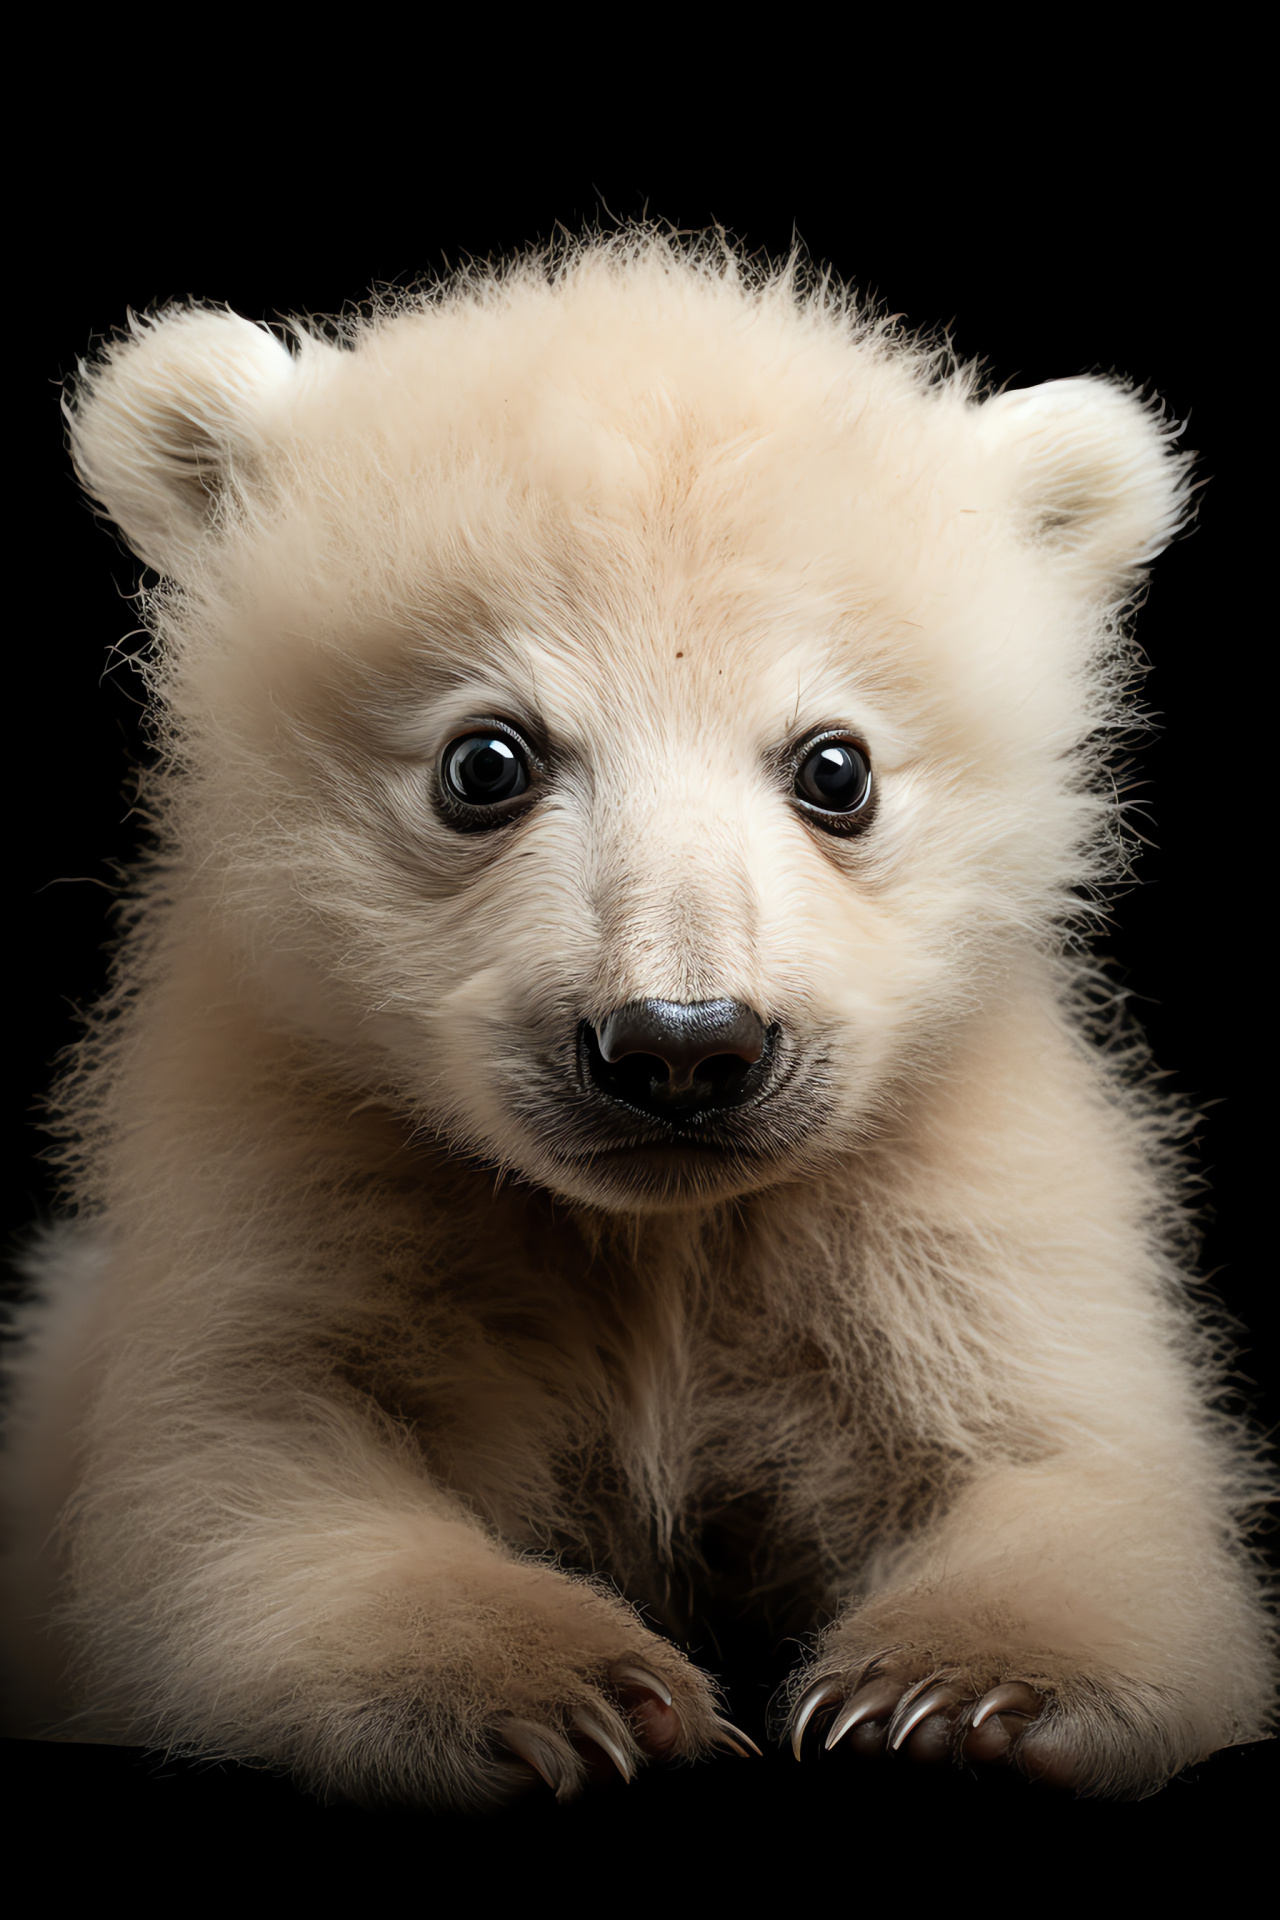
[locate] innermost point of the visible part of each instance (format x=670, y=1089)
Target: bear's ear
x=164, y=422
x=1091, y=471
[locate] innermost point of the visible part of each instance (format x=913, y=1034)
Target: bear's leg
x=363, y=1638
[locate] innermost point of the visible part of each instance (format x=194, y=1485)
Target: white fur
x=372, y=1364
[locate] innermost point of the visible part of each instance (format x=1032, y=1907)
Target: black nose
x=677, y=1060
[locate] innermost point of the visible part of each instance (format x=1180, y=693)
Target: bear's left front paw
x=938, y=1718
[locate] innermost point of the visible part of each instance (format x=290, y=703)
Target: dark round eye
x=834, y=776
x=485, y=768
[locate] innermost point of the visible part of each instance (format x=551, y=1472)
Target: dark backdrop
x=1040, y=268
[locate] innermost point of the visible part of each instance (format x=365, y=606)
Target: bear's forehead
x=560, y=623
x=619, y=548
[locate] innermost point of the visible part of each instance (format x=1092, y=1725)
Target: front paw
x=487, y=1679
x=1056, y=1718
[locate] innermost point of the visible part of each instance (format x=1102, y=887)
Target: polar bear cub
x=598, y=1127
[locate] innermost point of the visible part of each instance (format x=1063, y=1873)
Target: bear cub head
x=626, y=712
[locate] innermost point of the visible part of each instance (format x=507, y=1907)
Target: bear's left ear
x=1091, y=471
x=170, y=420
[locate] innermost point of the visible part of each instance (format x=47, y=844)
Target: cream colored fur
x=356, y=1411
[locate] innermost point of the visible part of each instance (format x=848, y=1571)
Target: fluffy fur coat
x=402, y=1398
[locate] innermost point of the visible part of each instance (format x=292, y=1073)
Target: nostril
x=671, y=1058
x=644, y=1079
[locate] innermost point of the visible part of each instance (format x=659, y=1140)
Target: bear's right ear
x=170, y=416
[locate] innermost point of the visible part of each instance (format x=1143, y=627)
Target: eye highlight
x=483, y=774
x=832, y=781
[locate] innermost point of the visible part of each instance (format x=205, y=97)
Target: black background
x=1065, y=237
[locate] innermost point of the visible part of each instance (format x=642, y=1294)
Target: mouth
x=657, y=1174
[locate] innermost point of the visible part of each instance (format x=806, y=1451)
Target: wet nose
x=676, y=1059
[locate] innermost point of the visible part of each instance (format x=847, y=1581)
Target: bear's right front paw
x=635, y=1710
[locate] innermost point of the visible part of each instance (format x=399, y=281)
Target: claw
x=823, y=1693
x=587, y=1723
x=935, y=1699
x=872, y=1702
x=641, y=1677
x=728, y=1728
x=1011, y=1696
x=531, y=1744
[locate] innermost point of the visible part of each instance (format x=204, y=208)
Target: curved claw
x=935, y=1699
x=875, y=1701
x=628, y=1676
x=1011, y=1696
x=728, y=1728
x=537, y=1749
x=595, y=1730
x=823, y=1693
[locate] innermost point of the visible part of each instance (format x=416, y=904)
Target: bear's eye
x=833, y=779
x=484, y=770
